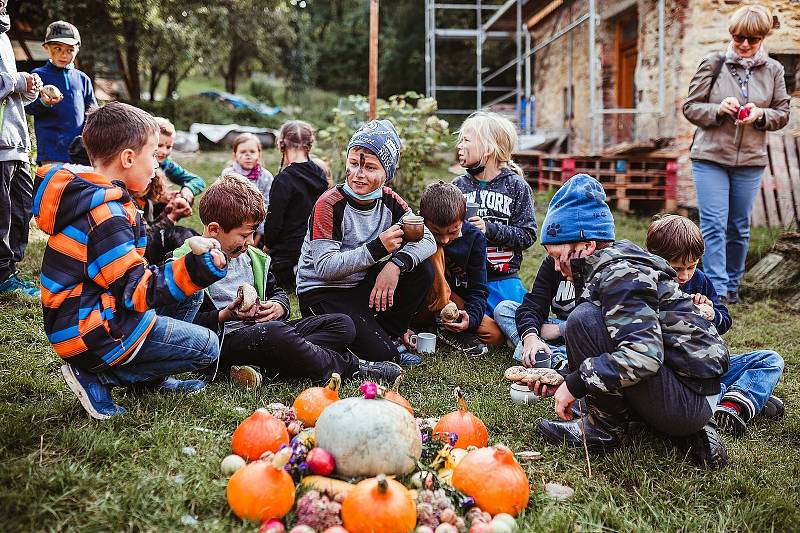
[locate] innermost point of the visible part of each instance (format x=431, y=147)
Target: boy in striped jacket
x=114, y=319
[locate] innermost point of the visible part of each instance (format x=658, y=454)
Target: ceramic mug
x=472, y=210
x=522, y=395
x=424, y=342
x=541, y=359
x=413, y=228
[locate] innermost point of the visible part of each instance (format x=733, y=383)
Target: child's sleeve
x=276, y=294
x=180, y=176
x=114, y=263
x=535, y=307
x=722, y=317
x=279, y=196
x=89, y=100
x=520, y=233
x=477, y=288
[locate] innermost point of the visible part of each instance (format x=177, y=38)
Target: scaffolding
x=526, y=50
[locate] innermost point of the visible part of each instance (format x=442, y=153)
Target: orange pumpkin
x=379, y=504
x=470, y=429
x=394, y=396
x=258, y=433
x=494, y=479
x=310, y=403
x=262, y=490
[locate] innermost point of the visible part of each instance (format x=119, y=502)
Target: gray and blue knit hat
x=380, y=138
x=578, y=212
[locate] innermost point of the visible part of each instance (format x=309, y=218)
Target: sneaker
x=733, y=297
x=773, y=408
x=570, y=432
x=729, y=421
x=706, y=447
x=410, y=359
x=385, y=371
x=15, y=284
x=247, y=377
x=95, y=397
x=181, y=386
x=464, y=342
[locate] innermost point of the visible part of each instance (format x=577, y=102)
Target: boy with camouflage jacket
x=638, y=348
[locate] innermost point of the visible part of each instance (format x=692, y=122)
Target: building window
x=791, y=66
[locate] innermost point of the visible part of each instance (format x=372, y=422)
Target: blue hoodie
x=465, y=271
x=57, y=125
x=700, y=284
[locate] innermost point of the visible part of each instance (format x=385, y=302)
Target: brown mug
x=413, y=228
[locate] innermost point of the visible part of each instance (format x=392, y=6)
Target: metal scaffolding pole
x=427, y=48
x=479, y=55
x=528, y=114
x=592, y=75
x=519, y=54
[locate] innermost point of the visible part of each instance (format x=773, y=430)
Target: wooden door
x=627, y=37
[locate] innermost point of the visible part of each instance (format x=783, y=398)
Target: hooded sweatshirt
x=262, y=181
x=652, y=322
x=15, y=144
x=294, y=192
x=98, y=292
x=506, y=205
x=57, y=125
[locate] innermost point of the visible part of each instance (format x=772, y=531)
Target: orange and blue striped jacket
x=98, y=291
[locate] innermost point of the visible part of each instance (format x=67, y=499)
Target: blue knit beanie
x=380, y=138
x=578, y=212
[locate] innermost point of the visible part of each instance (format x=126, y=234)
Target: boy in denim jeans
x=99, y=294
x=748, y=384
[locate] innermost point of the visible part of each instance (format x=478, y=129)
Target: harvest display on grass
x=394, y=473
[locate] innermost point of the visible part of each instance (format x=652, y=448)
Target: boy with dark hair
x=59, y=119
x=459, y=266
x=191, y=184
x=16, y=183
x=751, y=378
x=99, y=294
x=262, y=339
x=635, y=343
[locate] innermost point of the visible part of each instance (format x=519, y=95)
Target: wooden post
x=373, y=56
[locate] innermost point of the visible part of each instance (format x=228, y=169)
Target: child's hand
x=530, y=345
x=187, y=193
x=50, y=100
x=232, y=312
x=698, y=299
x=218, y=258
x=33, y=83
x=269, y=310
x=382, y=296
x=564, y=400
x=478, y=222
x=392, y=237
x=550, y=332
x=461, y=324
x=178, y=208
x=707, y=310
x=407, y=340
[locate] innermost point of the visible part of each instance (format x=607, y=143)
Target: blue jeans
x=504, y=289
x=174, y=345
x=505, y=315
x=725, y=197
x=750, y=379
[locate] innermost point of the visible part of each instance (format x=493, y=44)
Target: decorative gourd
x=262, y=489
x=394, y=396
x=330, y=486
x=369, y=437
x=310, y=403
x=379, y=504
x=494, y=479
x=470, y=429
x=258, y=433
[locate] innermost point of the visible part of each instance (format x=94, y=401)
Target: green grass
x=60, y=470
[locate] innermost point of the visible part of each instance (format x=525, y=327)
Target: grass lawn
x=60, y=470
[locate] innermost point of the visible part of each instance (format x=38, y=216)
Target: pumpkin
x=379, y=504
x=258, y=433
x=494, y=479
x=369, y=437
x=394, y=396
x=330, y=486
x=470, y=429
x=310, y=403
x=262, y=490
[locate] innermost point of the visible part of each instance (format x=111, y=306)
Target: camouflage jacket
x=652, y=323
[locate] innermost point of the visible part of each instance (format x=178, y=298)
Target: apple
x=743, y=113
x=320, y=462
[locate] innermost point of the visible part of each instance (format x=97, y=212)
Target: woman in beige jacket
x=734, y=99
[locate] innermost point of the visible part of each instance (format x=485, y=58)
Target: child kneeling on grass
x=262, y=339
x=636, y=344
x=459, y=266
x=99, y=295
x=751, y=378
x=191, y=184
x=354, y=259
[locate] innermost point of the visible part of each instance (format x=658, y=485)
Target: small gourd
x=395, y=396
x=494, y=479
x=262, y=490
x=310, y=403
x=379, y=504
x=470, y=429
x=258, y=433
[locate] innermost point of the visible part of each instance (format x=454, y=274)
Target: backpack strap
x=715, y=74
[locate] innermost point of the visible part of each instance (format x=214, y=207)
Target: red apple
x=743, y=113
x=272, y=526
x=320, y=462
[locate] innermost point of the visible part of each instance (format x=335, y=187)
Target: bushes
x=421, y=133
x=184, y=111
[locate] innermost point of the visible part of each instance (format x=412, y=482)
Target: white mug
x=424, y=342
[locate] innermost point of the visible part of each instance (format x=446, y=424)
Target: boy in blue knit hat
x=355, y=260
x=638, y=349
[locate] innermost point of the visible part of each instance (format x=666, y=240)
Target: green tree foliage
x=421, y=132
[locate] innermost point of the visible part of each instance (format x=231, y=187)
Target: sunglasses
x=749, y=38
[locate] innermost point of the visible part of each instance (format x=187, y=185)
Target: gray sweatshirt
x=343, y=241
x=15, y=144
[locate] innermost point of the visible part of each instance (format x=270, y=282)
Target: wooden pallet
x=778, y=201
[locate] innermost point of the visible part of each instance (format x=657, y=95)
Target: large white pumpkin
x=369, y=437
